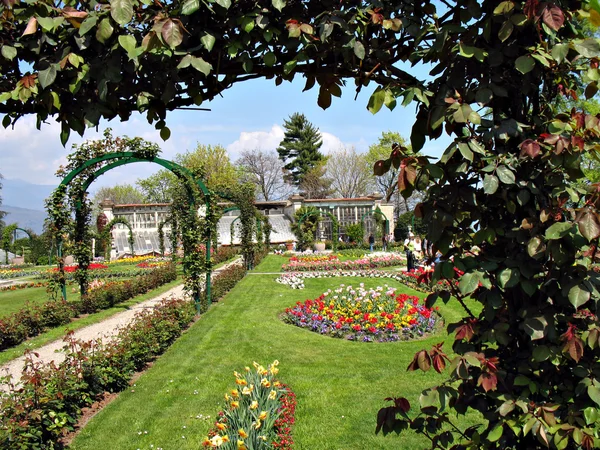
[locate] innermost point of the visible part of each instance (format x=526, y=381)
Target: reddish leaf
x=402, y=404
x=488, y=381
x=439, y=364
x=72, y=13
x=31, y=26
x=553, y=16
x=464, y=331
x=172, y=33
x=531, y=8
x=578, y=141
x=530, y=148
x=28, y=81
x=424, y=361
x=587, y=442
x=579, y=119
x=418, y=211
x=573, y=345
x=561, y=144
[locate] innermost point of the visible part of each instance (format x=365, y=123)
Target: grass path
x=340, y=385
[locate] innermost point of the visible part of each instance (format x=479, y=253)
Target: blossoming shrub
x=33, y=319
x=48, y=401
x=15, y=287
x=295, y=281
x=258, y=413
x=314, y=258
x=358, y=264
x=368, y=315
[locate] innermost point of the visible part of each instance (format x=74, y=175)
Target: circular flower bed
x=314, y=258
x=358, y=314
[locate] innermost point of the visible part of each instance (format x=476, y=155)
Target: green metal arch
x=334, y=221
x=26, y=232
x=123, y=158
x=116, y=221
x=379, y=213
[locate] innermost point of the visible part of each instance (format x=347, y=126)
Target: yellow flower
x=262, y=415
x=254, y=405
x=241, y=445
x=216, y=441
x=226, y=397
x=235, y=405
x=221, y=426
x=256, y=425
x=263, y=438
x=277, y=384
x=266, y=383
x=225, y=438
x=236, y=374
x=272, y=395
x=247, y=369
x=242, y=433
x=206, y=442
x=235, y=393
x=241, y=382
x=248, y=390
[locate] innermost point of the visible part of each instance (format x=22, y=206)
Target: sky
x=248, y=116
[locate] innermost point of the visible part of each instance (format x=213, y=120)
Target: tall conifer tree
x=300, y=146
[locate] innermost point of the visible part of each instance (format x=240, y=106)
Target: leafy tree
x=212, y=163
x=349, y=172
x=265, y=170
x=121, y=194
x=158, y=188
x=300, y=146
x=406, y=220
x=306, y=231
x=355, y=232
x=386, y=183
x=315, y=183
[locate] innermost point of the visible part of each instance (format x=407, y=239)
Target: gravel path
x=104, y=329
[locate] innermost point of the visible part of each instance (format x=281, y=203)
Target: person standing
x=384, y=242
x=371, y=241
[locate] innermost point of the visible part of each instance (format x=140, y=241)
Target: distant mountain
x=25, y=195
x=25, y=218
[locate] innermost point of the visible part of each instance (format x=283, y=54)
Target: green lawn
x=13, y=301
x=340, y=385
x=59, y=332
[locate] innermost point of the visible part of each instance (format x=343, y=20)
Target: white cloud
x=253, y=140
x=269, y=140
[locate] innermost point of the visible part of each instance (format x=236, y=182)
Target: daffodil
x=241, y=382
x=242, y=433
x=262, y=415
x=216, y=441
x=265, y=382
x=241, y=445
x=248, y=390
x=235, y=404
x=221, y=426
x=256, y=425
x=254, y=405
x=225, y=438
x=235, y=393
x=272, y=395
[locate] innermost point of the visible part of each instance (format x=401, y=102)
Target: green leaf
x=201, y=66
x=128, y=42
x=504, y=8
x=208, y=40
x=506, y=30
x=359, y=50
x=535, y=327
x=535, y=247
x=121, y=11
x=376, y=101
x=505, y=175
x=495, y=434
x=591, y=415
x=525, y=64
x=289, y=66
x=490, y=184
x=588, y=48
x=224, y=3
x=47, y=23
x=165, y=133
x=541, y=353
x=47, y=76
x=469, y=282
x=270, y=59
x=185, y=62
x=559, y=52
x=248, y=24
x=104, y=31
x=461, y=115
x=558, y=230
x=579, y=295
x=508, y=278
x=9, y=52
x=594, y=393
x=278, y=4
x=190, y=7
x=465, y=151
x=89, y=23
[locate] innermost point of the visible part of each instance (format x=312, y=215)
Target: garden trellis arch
x=376, y=212
x=161, y=236
x=334, y=224
x=108, y=228
x=117, y=159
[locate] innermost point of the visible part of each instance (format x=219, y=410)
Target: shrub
x=36, y=414
x=32, y=319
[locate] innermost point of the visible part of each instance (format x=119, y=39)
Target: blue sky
x=248, y=116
